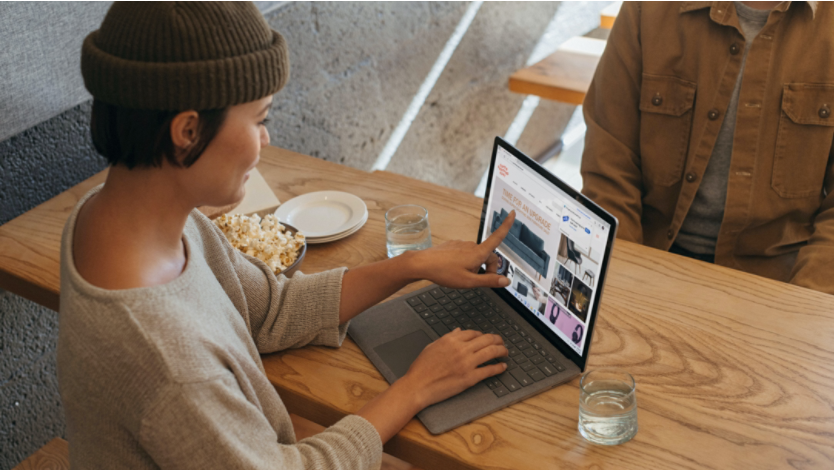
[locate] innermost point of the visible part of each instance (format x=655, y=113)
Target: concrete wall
x=355, y=69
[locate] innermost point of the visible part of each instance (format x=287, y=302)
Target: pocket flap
x=666, y=95
x=807, y=103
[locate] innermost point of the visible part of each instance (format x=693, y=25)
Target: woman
x=162, y=321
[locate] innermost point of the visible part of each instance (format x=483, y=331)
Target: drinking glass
x=607, y=406
x=407, y=228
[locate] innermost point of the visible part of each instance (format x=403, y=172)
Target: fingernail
x=505, y=282
x=505, y=365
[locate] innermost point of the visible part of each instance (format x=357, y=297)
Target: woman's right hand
x=449, y=365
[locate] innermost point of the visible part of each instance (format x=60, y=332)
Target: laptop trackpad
x=398, y=354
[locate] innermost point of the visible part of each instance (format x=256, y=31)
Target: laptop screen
x=554, y=253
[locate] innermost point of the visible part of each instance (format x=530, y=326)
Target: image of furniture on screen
x=560, y=286
x=524, y=243
x=568, y=254
x=589, y=277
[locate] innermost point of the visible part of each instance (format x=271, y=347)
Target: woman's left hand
x=456, y=263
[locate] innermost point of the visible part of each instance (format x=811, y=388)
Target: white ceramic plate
x=315, y=241
x=323, y=214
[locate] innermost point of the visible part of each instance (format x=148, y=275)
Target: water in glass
x=607, y=410
x=407, y=231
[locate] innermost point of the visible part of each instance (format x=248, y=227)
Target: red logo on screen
x=503, y=170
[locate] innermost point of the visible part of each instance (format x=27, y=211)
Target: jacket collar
x=719, y=9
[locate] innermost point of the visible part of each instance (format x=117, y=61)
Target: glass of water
x=607, y=406
x=407, y=228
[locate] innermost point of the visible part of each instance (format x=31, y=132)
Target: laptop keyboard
x=528, y=361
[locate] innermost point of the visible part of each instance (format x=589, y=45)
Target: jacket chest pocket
x=665, y=125
x=803, y=143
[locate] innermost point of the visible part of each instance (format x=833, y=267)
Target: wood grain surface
x=53, y=456
x=732, y=370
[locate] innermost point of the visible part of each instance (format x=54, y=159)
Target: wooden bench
x=55, y=454
x=563, y=76
x=609, y=14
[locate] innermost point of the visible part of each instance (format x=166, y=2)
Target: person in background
x=162, y=321
x=710, y=134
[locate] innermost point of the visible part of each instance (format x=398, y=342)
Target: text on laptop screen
x=553, y=251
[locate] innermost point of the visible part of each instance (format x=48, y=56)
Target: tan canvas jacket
x=654, y=110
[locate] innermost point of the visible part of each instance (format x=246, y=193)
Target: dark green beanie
x=175, y=56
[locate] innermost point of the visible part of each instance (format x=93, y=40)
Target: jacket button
x=657, y=100
x=825, y=111
x=690, y=177
x=669, y=234
x=734, y=49
x=713, y=114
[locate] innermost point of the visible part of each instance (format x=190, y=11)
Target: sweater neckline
x=82, y=285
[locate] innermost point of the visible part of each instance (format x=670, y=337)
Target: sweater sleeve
x=211, y=424
x=280, y=313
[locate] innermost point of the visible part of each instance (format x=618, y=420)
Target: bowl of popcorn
x=280, y=246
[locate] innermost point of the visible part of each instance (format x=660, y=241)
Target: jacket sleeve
x=280, y=313
x=211, y=424
x=813, y=263
x=611, y=169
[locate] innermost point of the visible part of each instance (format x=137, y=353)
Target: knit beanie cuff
x=180, y=86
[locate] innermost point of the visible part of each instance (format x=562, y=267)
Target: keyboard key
x=511, y=383
x=480, y=292
x=450, y=306
x=526, y=367
x=469, y=325
x=468, y=295
x=515, y=339
x=456, y=313
x=560, y=367
x=414, y=301
x=476, y=301
x=442, y=314
x=460, y=301
x=551, y=359
x=495, y=320
x=536, y=345
x=491, y=303
x=444, y=300
x=447, y=290
x=547, y=369
x=521, y=359
x=483, y=308
x=512, y=365
x=483, y=323
x=437, y=293
x=453, y=294
x=420, y=308
x=537, y=375
x=514, y=352
x=542, y=352
x=501, y=325
x=426, y=314
x=467, y=308
x=432, y=320
x=454, y=324
x=507, y=332
x=521, y=377
x=536, y=359
x=529, y=339
x=436, y=308
x=440, y=329
x=520, y=331
x=530, y=352
x=501, y=391
x=448, y=320
x=427, y=298
x=523, y=345
x=493, y=383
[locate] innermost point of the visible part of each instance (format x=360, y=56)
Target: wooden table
x=733, y=370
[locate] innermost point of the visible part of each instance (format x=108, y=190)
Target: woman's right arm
x=445, y=368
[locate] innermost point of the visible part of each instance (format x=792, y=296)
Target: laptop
x=556, y=256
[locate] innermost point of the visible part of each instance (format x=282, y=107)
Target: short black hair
x=141, y=138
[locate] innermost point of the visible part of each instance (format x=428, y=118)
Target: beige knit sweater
x=171, y=377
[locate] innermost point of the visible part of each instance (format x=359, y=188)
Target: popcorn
x=266, y=239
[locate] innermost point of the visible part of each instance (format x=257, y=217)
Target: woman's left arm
x=453, y=264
